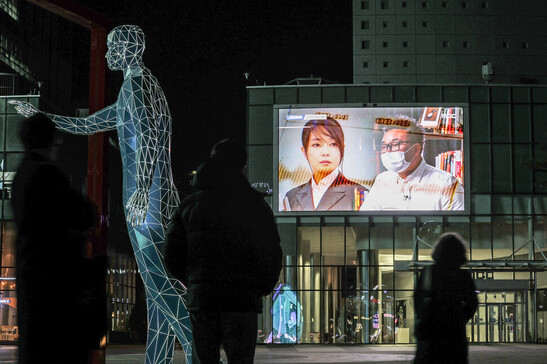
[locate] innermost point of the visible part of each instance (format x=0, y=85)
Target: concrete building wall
x=448, y=41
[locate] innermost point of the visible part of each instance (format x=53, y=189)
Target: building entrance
x=499, y=322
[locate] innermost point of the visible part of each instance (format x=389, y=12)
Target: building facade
x=349, y=277
x=448, y=41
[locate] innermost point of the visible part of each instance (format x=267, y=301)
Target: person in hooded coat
x=444, y=300
x=223, y=245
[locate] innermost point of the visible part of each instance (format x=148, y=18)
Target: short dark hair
x=450, y=250
x=415, y=131
x=230, y=152
x=330, y=126
x=37, y=132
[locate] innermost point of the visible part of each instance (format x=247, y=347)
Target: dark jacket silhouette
x=445, y=299
x=223, y=244
x=52, y=220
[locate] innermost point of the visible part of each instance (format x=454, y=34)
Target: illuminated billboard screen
x=371, y=159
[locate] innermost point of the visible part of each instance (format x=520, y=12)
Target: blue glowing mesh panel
x=287, y=319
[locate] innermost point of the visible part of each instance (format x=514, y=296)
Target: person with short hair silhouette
x=224, y=246
x=444, y=300
x=52, y=222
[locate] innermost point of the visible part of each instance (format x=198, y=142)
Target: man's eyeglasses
x=393, y=146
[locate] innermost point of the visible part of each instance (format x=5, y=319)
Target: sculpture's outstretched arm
x=102, y=120
x=146, y=131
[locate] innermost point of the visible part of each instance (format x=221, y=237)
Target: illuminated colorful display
x=371, y=159
x=287, y=316
x=142, y=120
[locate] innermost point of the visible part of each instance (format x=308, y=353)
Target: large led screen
x=371, y=159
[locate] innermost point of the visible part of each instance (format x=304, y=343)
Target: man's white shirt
x=427, y=188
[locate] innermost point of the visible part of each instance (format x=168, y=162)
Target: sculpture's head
x=125, y=47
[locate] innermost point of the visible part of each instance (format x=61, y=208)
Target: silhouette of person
x=444, y=300
x=224, y=246
x=52, y=223
x=142, y=120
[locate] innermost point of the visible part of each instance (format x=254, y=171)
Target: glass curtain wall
x=341, y=282
x=122, y=273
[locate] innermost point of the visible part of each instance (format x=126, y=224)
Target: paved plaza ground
x=381, y=354
x=319, y=354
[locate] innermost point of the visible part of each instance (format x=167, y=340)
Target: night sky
x=200, y=50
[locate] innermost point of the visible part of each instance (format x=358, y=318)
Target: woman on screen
x=327, y=189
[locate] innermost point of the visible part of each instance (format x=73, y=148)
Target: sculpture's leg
x=160, y=343
x=169, y=301
x=163, y=294
x=183, y=330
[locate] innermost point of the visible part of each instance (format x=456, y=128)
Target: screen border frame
x=466, y=147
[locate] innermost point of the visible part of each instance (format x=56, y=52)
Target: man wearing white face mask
x=409, y=182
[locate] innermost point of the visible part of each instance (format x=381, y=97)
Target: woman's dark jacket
x=444, y=300
x=223, y=244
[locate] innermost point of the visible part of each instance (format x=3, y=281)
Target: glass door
x=508, y=323
x=500, y=318
x=479, y=324
x=494, y=324
x=519, y=322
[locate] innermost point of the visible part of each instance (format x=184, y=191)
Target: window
x=425, y=4
x=386, y=64
x=525, y=45
x=446, y=44
x=10, y=7
x=365, y=24
x=425, y=24
x=11, y=54
x=444, y=4
x=465, y=5
x=385, y=24
x=465, y=44
x=404, y=4
x=405, y=24
x=405, y=64
x=365, y=64
x=484, y=5
x=385, y=44
x=505, y=45
x=384, y=4
x=405, y=44
x=364, y=5
x=365, y=44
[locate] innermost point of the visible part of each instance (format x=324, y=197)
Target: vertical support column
x=316, y=297
x=304, y=285
x=289, y=270
x=533, y=300
x=97, y=168
x=369, y=274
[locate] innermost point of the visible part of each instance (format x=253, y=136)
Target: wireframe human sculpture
x=143, y=122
